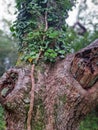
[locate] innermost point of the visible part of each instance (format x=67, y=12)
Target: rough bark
x=65, y=92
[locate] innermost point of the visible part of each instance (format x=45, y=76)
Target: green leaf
x=53, y=34
x=12, y=28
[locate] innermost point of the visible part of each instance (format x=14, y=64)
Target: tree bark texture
x=65, y=92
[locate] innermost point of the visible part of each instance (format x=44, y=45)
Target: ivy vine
x=40, y=26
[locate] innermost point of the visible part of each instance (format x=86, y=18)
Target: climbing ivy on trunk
x=40, y=26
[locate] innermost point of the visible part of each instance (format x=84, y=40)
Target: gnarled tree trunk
x=65, y=92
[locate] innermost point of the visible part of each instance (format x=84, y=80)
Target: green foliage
x=90, y=122
x=2, y=123
x=75, y=42
x=40, y=26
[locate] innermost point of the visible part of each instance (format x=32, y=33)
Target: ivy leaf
x=44, y=2
x=53, y=34
x=62, y=52
x=12, y=28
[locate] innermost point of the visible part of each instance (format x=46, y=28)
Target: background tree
x=87, y=17
x=87, y=12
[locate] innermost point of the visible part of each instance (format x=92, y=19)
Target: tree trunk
x=65, y=92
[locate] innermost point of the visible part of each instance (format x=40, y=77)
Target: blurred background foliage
x=90, y=122
x=8, y=47
x=88, y=17
x=8, y=53
x=2, y=122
